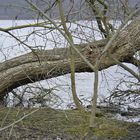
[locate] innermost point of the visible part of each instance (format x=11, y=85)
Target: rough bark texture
x=45, y=64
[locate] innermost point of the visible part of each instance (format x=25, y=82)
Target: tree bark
x=45, y=64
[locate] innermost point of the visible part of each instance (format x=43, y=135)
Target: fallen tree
x=45, y=64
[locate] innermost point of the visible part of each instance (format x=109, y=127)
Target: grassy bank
x=49, y=124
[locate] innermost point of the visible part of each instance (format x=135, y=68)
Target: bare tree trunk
x=94, y=101
x=72, y=59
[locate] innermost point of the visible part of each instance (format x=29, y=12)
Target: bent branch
x=29, y=68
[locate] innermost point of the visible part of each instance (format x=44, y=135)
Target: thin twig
x=15, y=122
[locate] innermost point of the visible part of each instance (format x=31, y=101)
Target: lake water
x=83, y=32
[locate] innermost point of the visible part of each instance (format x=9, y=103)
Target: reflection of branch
x=20, y=98
x=119, y=92
x=125, y=97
